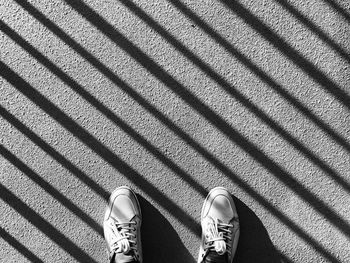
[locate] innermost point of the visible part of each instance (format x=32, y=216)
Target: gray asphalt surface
x=173, y=98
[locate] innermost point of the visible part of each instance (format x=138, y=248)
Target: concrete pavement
x=174, y=98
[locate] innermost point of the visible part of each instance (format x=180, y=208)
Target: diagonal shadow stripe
x=130, y=173
x=339, y=9
x=19, y=246
x=296, y=57
x=312, y=26
x=259, y=72
x=210, y=115
x=239, y=96
x=101, y=107
x=50, y=189
x=172, y=126
x=55, y=154
x=44, y=226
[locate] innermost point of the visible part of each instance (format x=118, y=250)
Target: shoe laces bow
x=217, y=236
x=123, y=238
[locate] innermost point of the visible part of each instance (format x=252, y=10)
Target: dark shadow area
x=296, y=57
x=50, y=189
x=160, y=242
x=19, y=246
x=254, y=242
x=216, y=120
x=50, y=231
x=316, y=29
x=339, y=9
x=90, y=141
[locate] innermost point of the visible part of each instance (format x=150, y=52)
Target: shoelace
x=217, y=236
x=124, y=238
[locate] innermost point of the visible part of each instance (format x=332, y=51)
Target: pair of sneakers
x=219, y=221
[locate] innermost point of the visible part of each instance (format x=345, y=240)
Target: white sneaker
x=220, y=228
x=122, y=226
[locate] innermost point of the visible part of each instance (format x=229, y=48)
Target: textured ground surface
x=173, y=98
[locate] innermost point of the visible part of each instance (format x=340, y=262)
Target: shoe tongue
x=213, y=257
